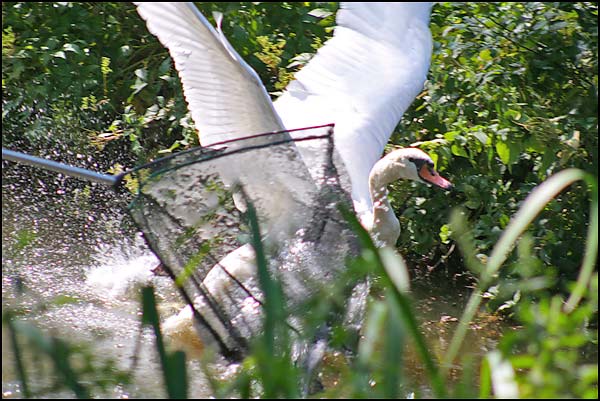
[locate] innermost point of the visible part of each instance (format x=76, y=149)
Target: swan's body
x=363, y=80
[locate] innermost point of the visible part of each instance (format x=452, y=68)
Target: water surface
x=64, y=238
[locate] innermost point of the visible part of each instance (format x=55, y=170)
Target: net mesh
x=191, y=210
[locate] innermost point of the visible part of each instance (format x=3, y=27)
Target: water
x=84, y=248
x=61, y=239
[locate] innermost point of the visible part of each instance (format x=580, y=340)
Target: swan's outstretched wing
x=228, y=101
x=363, y=79
x=225, y=96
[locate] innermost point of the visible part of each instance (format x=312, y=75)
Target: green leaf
x=482, y=137
x=445, y=233
x=138, y=86
x=485, y=55
x=459, y=150
x=319, y=13
x=503, y=151
x=396, y=268
x=142, y=74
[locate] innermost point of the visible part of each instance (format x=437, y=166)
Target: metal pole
x=89, y=175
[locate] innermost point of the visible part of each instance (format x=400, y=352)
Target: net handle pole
x=72, y=171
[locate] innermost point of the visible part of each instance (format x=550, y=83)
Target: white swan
x=363, y=79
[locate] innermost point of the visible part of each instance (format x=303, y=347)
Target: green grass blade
x=58, y=352
x=485, y=380
x=535, y=202
x=591, y=249
x=279, y=376
x=173, y=366
x=19, y=366
x=394, y=340
x=273, y=299
x=60, y=357
x=402, y=302
x=177, y=375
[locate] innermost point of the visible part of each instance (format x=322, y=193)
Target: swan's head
x=407, y=163
x=414, y=164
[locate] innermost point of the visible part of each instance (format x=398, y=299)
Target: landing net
x=192, y=206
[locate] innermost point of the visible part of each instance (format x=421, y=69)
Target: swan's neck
x=385, y=228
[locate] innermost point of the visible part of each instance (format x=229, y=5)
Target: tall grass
x=393, y=320
x=532, y=206
x=269, y=369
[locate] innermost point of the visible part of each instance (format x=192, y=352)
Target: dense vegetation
x=511, y=99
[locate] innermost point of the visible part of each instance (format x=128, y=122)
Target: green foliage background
x=512, y=98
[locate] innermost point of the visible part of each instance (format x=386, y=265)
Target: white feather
x=225, y=95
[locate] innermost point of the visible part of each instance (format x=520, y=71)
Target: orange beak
x=430, y=175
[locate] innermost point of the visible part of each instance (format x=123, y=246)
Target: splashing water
x=64, y=241
x=120, y=269
x=191, y=212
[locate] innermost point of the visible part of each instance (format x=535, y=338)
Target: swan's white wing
x=363, y=79
x=228, y=101
x=225, y=96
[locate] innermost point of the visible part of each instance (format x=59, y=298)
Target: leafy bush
x=511, y=99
